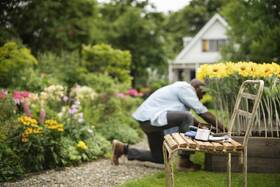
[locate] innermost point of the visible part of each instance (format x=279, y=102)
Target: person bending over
x=165, y=111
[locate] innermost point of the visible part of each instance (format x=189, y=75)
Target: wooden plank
x=209, y=146
x=237, y=145
x=227, y=146
x=180, y=141
x=244, y=113
x=171, y=143
x=262, y=147
x=249, y=96
x=215, y=162
x=190, y=142
x=217, y=146
x=200, y=145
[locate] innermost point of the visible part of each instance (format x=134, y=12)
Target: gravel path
x=96, y=174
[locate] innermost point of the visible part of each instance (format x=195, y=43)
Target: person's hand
x=203, y=125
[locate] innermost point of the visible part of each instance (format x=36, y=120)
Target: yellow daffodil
x=244, y=69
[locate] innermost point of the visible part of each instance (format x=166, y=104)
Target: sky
x=166, y=5
x=169, y=5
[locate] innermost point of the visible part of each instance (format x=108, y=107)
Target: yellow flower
x=30, y=130
x=265, y=70
x=244, y=69
x=54, y=125
x=217, y=71
x=82, y=145
x=28, y=121
x=202, y=72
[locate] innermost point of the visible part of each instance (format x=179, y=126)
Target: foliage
x=121, y=131
x=65, y=67
x=33, y=80
x=102, y=83
x=130, y=27
x=52, y=30
x=106, y=60
x=10, y=165
x=251, y=35
x=13, y=61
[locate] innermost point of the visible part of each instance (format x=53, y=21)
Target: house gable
x=215, y=28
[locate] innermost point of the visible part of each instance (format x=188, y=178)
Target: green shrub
x=113, y=129
x=14, y=60
x=10, y=166
x=104, y=59
x=69, y=153
x=33, y=80
x=64, y=67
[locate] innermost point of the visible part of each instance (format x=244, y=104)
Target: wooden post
x=229, y=169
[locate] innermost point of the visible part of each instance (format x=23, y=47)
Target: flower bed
x=52, y=129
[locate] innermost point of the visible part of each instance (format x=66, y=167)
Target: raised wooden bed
x=263, y=156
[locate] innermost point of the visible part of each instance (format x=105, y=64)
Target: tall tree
x=254, y=30
x=132, y=28
x=54, y=24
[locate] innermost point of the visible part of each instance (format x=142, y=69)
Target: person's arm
x=211, y=119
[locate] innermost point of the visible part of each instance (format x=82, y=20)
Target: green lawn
x=206, y=179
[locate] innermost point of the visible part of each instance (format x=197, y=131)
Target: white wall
x=195, y=54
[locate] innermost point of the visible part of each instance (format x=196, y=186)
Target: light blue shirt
x=179, y=96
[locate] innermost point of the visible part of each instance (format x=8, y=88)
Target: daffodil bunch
x=224, y=80
x=242, y=69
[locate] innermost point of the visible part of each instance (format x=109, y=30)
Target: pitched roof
x=200, y=33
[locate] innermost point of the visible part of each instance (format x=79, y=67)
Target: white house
x=203, y=48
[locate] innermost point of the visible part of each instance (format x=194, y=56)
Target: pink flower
x=26, y=109
x=133, y=92
x=19, y=96
x=121, y=95
x=24, y=94
x=42, y=116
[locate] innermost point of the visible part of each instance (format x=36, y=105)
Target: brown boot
x=117, y=151
x=185, y=164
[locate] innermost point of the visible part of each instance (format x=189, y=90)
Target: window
x=212, y=45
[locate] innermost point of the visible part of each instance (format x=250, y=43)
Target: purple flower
x=73, y=110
